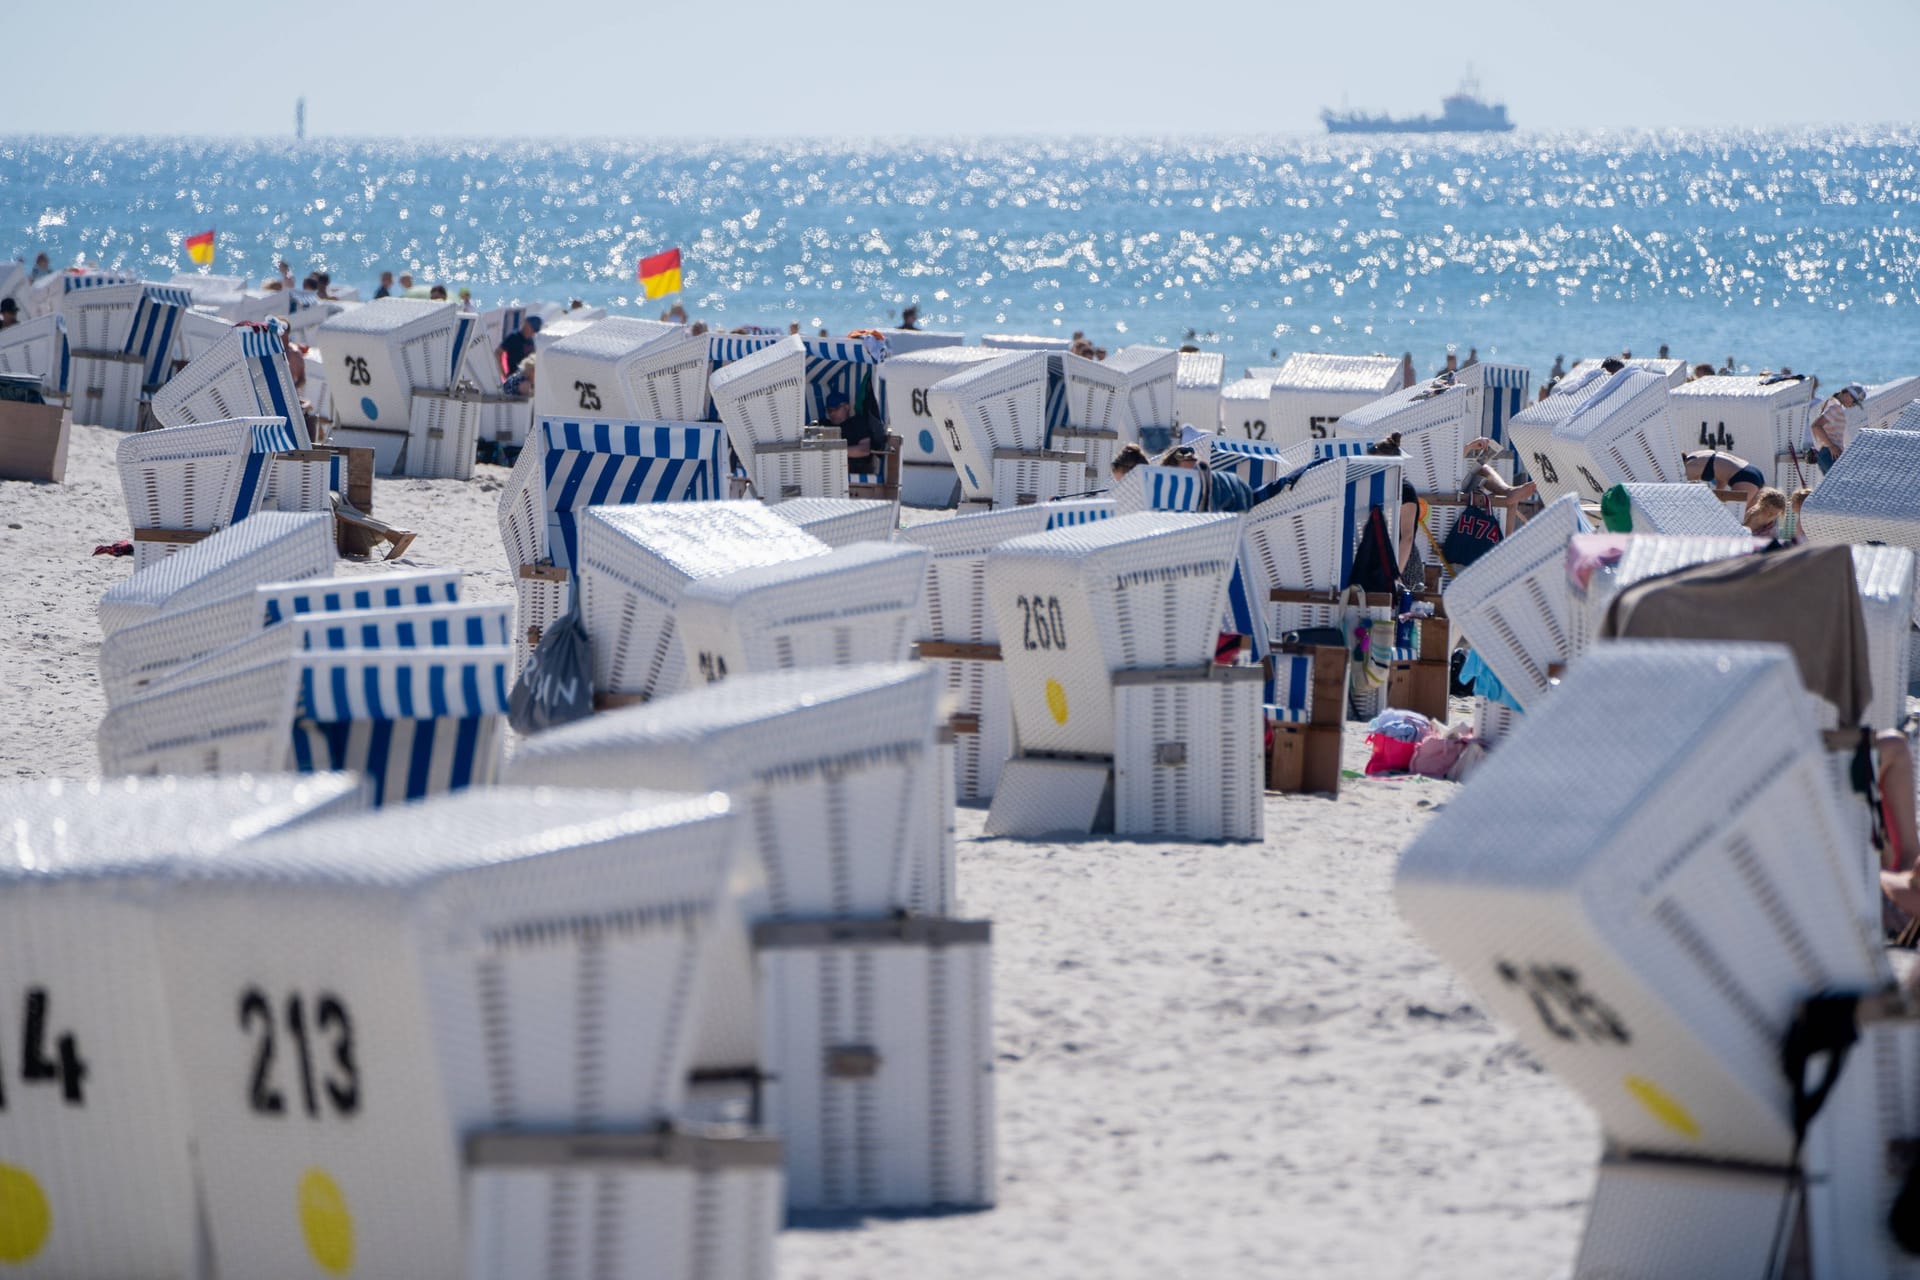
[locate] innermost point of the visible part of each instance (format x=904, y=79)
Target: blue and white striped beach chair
x=599, y=464
x=1153, y=488
x=417, y=722
x=156, y=321
x=1504, y=394
x=840, y=367
x=401, y=589
x=244, y=375
x=183, y=483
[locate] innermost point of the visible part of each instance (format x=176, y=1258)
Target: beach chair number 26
x=1042, y=625
x=357, y=375
x=342, y=1082
x=39, y=1067
x=1567, y=1009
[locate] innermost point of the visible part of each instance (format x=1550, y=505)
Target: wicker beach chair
x=599, y=463
x=1586, y=443
x=1681, y=509
x=1763, y=421
x=393, y=366
x=636, y=561
x=183, y=483
x=496, y=961
x=994, y=419
x=1302, y=541
x=1673, y=371
x=1310, y=392
x=229, y=721
x=1514, y=605
x=763, y=398
x=1197, y=389
x=1869, y=495
x=603, y=371
x=243, y=375
x=1435, y=420
x=1111, y=402
x=1886, y=401
x=99, y=1135
x=38, y=348
x=1649, y=949
x=840, y=522
x=270, y=546
x=927, y=477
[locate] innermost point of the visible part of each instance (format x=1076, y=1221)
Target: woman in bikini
x=1725, y=471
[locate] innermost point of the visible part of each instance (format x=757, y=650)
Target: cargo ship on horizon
x=1461, y=112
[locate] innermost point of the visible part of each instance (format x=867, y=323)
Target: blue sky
x=737, y=68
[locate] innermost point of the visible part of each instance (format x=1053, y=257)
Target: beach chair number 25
x=342, y=1082
x=39, y=1067
x=1042, y=625
x=1567, y=1009
x=589, y=394
x=357, y=375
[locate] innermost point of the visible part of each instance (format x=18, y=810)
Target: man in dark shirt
x=865, y=434
x=386, y=285
x=518, y=345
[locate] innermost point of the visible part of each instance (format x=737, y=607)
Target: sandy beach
x=1214, y=1060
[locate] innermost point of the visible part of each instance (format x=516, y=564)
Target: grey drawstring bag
x=557, y=686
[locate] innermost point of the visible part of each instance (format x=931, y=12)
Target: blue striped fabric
x=268, y=438
x=1363, y=492
x=339, y=595
x=440, y=626
x=1057, y=416
x=1173, y=489
x=66, y=360
x=835, y=366
x=155, y=320
x=401, y=757
x=1290, y=700
x=462, y=334
x=599, y=464
x=353, y=684
x=75, y=280
x=1506, y=395
x=1077, y=515
x=1246, y=613
x=1252, y=461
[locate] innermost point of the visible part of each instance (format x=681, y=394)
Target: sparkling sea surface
x=1797, y=248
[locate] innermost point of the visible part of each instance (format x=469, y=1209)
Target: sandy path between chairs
x=1214, y=1060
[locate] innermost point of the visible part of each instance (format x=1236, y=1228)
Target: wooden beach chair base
x=357, y=534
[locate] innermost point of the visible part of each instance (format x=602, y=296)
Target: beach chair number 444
x=339, y=1082
x=1566, y=1009
x=1041, y=624
x=713, y=668
x=69, y=1069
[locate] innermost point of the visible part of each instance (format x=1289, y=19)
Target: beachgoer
x=466, y=299
x=675, y=314
x=1412, y=570
x=1700, y=371
x=910, y=317
x=1762, y=519
x=41, y=267
x=1727, y=368
x=1452, y=366
x=438, y=293
x=1129, y=457
x=864, y=433
x=1407, y=375
x=1725, y=471
x=576, y=305
x=1488, y=482
x=1473, y=358
x=326, y=284
x=406, y=284
x=1663, y=351
x=520, y=381
x=286, y=275
x=1559, y=369
x=518, y=345
x=9, y=313
x=386, y=285
x=1834, y=426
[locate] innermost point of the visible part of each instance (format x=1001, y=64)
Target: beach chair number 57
x=1566, y=1009
x=39, y=1067
x=1317, y=427
x=1042, y=625
x=357, y=375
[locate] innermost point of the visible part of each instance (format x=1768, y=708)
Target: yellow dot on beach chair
x=25, y=1219
x=1663, y=1106
x=326, y=1222
x=1057, y=701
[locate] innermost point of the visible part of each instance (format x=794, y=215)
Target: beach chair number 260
x=342, y=1082
x=1565, y=1009
x=36, y=1067
x=1041, y=623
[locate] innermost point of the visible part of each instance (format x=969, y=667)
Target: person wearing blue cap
x=864, y=433
x=518, y=345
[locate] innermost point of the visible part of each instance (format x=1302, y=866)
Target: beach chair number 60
x=920, y=409
x=1564, y=1008
x=330, y=1018
x=1041, y=623
x=589, y=394
x=357, y=375
x=36, y=1067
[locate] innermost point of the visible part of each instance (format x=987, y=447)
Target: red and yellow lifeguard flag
x=200, y=249
x=660, y=274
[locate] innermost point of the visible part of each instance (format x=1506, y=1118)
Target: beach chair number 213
x=37, y=1066
x=1041, y=625
x=341, y=1080
x=1566, y=1008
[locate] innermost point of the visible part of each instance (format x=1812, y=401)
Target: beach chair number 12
x=36, y=1066
x=1256, y=428
x=1041, y=624
x=1568, y=1011
x=342, y=1082
x=357, y=375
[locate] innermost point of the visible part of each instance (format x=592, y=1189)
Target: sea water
x=1778, y=248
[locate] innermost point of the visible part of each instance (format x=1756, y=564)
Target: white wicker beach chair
x=1311, y=391
x=272, y=546
x=1885, y=577
x=50, y=291
x=231, y=721
x=600, y=463
x=1076, y=605
x=1666, y=1219
x=994, y=418
x=97, y=1130
x=1673, y=371
x=182, y=483
x=834, y=768
x=1435, y=421
x=883, y=1031
x=243, y=375
x=1189, y=761
x=1099, y=415
x=1908, y=419
x=1617, y=435
x=1869, y=496
x=1197, y=389
x=1886, y=401
x=1245, y=406
x=379, y=358
x=1647, y=948
x=200, y=332
x=1304, y=539
x=499, y=960
x=636, y=561
x=855, y=605
x=37, y=348
x=840, y=522
x=1514, y=605
x=1686, y=508
x=584, y=375
x=1503, y=393
x=101, y=318
x=763, y=399
x=1765, y=423
x=928, y=477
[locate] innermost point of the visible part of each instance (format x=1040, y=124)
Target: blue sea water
x=1796, y=248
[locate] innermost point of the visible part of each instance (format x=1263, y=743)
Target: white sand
x=1215, y=1060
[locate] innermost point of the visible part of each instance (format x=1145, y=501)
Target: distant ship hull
x=1419, y=124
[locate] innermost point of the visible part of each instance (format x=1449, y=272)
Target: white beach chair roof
x=1681, y=509
x=1315, y=371
x=391, y=317
x=1514, y=606
x=1886, y=400
x=271, y=546
x=841, y=521
x=1200, y=369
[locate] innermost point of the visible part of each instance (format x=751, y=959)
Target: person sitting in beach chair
x=520, y=381
x=1490, y=483
x=1219, y=490
x=865, y=434
x=1725, y=471
x=1129, y=457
